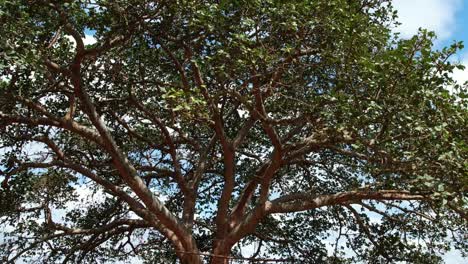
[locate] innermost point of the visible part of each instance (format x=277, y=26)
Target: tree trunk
x=191, y=258
x=188, y=253
x=221, y=255
x=220, y=259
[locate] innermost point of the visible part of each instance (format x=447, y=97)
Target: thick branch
x=305, y=201
x=126, y=170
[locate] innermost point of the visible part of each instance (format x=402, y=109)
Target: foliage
x=306, y=130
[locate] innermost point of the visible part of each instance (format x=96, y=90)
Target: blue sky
x=448, y=18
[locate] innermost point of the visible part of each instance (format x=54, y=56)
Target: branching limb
x=305, y=201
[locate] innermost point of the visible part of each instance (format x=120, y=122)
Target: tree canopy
x=201, y=131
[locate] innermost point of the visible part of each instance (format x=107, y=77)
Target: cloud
x=461, y=76
x=434, y=15
x=89, y=40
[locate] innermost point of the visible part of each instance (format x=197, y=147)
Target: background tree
x=304, y=129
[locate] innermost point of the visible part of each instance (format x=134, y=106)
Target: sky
x=447, y=18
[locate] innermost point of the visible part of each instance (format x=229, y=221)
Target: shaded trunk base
x=190, y=258
x=220, y=256
x=220, y=260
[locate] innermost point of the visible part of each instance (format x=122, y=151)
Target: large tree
x=194, y=130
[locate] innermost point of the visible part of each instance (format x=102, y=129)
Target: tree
x=200, y=128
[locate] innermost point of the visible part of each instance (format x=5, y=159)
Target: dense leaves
x=207, y=130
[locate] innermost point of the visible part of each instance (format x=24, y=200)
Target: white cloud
x=453, y=257
x=89, y=40
x=435, y=15
x=461, y=76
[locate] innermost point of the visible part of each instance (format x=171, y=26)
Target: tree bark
x=190, y=258
x=220, y=255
